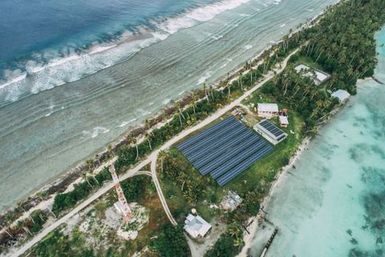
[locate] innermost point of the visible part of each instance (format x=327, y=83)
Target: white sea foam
x=95, y=132
x=52, y=68
x=14, y=77
x=200, y=14
x=248, y=47
x=205, y=76
x=125, y=123
x=166, y=101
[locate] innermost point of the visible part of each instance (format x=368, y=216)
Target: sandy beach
x=255, y=225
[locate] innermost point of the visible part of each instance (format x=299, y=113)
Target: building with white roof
x=196, y=226
x=342, y=95
x=267, y=110
x=283, y=121
x=316, y=75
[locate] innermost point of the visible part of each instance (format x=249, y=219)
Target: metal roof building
x=316, y=75
x=270, y=131
x=196, y=226
x=267, y=110
x=341, y=94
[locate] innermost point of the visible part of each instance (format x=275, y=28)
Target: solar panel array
x=277, y=132
x=225, y=150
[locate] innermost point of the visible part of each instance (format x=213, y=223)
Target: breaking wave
x=51, y=68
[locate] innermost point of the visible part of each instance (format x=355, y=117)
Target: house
x=283, y=121
x=341, y=94
x=196, y=226
x=267, y=110
x=231, y=201
x=317, y=76
x=270, y=132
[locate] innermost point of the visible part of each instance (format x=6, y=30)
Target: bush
x=171, y=242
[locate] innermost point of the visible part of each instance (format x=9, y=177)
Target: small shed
x=196, y=226
x=316, y=75
x=231, y=201
x=341, y=94
x=283, y=121
x=267, y=110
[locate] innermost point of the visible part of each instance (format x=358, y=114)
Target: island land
x=161, y=185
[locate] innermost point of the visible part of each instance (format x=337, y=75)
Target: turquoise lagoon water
x=77, y=74
x=333, y=203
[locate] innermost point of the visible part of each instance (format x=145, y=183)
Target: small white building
x=267, y=110
x=270, y=132
x=283, y=121
x=196, y=226
x=341, y=94
x=231, y=201
x=317, y=76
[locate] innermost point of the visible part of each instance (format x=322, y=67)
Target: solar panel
x=204, y=134
x=277, y=132
x=230, y=129
x=202, y=159
x=223, y=180
x=225, y=149
x=225, y=142
x=231, y=153
x=236, y=159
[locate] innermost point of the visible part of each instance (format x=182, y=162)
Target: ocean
x=75, y=75
x=333, y=203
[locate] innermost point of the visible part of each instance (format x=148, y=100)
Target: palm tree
x=240, y=81
x=109, y=150
x=89, y=164
x=147, y=124
x=238, y=242
x=229, y=90
x=147, y=136
x=6, y=231
x=234, y=230
x=133, y=141
x=194, y=101
x=205, y=90
x=85, y=177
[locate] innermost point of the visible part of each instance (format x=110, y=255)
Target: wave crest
x=51, y=68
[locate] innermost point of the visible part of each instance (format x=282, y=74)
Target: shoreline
x=254, y=227
x=68, y=178
x=253, y=221
x=138, y=129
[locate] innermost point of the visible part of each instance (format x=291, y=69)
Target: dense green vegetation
x=229, y=244
x=68, y=200
x=342, y=44
x=171, y=242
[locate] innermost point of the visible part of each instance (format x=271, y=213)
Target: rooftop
x=318, y=76
x=270, y=131
x=283, y=120
x=231, y=201
x=267, y=107
x=341, y=94
x=196, y=226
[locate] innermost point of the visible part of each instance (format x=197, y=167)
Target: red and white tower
x=122, y=204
